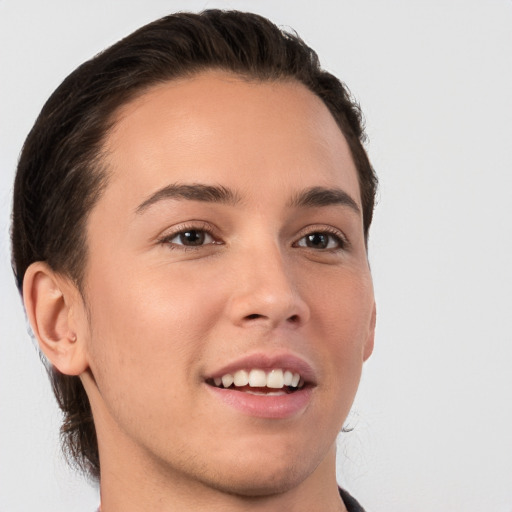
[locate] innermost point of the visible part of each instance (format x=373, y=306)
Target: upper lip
x=267, y=362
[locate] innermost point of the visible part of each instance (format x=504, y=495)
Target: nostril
x=255, y=316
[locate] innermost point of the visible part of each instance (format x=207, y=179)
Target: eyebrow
x=322, y=196
x=310, y=198
x=192, y=192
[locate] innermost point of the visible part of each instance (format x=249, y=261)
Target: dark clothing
x=351, y=503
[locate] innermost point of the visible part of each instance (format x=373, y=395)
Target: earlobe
x=368, y=347
x=50, y=300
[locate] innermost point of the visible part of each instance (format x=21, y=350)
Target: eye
x=321, y=240
x=192, y=237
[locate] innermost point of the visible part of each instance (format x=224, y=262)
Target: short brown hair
x=60, y=175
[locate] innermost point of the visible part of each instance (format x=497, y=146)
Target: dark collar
x=351, y=503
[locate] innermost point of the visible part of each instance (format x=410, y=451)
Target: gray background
x=433, y=417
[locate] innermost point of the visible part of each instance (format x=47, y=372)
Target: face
x=228, y=245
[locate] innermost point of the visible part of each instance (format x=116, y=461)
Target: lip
x=262, y=406
x=267, y=362
x=266, y=406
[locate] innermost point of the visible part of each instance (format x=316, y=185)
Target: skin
x=157, y=317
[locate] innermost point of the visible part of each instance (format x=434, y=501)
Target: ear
x=368, y=347
x=50, y=302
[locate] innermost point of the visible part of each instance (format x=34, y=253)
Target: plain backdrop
x=433, y=418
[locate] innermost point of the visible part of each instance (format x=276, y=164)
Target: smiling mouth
x=260, y=382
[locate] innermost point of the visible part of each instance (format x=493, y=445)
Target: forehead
x=218, y=127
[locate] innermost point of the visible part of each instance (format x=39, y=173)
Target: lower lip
x=264, y=406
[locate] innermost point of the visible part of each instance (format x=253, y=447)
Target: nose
x=266, y=291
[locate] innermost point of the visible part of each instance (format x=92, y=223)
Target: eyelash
x=198, y=228
x=334, y=235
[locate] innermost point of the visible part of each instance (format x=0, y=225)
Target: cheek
x=341, y=313
x=149, y=327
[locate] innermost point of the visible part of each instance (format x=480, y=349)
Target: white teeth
x=241, y=378
x=256, y=378
x=227, y=380
x=275, y=379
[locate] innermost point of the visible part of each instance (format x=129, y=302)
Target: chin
x=262, y=478
x=260, y=484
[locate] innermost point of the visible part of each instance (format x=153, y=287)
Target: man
x=191, y=212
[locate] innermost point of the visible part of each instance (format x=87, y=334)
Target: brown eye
x=321, y=240
x=191, y=238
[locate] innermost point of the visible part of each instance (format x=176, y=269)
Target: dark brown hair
x=60, y=175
